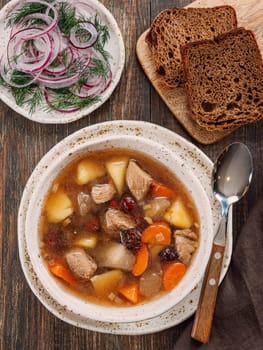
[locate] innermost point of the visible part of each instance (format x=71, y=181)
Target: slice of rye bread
x=177, y=26
x=224, y=80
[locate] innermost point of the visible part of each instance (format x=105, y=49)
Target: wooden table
x=25, y=324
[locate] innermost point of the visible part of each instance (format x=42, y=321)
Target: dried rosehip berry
x=93, y=224
x=128, y=203
x=141, y=223
x=168, y=254
x=131, y=238
x=115, y=203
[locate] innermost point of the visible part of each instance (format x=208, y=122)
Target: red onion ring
x=61, y=68
x=51, y=25
x=88, y=27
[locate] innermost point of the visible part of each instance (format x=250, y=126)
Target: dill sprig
x=20, y=78
x=65, y=99
x=99, y=47
x=35, y=99
x=98, y=67
x=104, y=36
x=26, y=9
x=103, y=31
x=29, y=95
x=21, y=94
x=64, y=55
x=67, y=18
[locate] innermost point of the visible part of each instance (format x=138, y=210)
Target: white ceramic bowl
x=114, y=46
x=56, y=159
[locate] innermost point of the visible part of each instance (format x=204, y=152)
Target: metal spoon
x=232, y=174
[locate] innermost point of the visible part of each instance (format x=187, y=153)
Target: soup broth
x=118, y=228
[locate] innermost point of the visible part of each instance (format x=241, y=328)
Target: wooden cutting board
x=250, y=16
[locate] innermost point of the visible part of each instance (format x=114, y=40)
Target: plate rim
x=59, y=117
x=166, y=320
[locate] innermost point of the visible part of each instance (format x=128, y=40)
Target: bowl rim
x=138, y=317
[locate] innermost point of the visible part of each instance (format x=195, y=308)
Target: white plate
x=114, y=46
x=191, y=156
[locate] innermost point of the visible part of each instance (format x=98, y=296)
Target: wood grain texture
x=24, y=323
x=249, y=15
x=205, y=311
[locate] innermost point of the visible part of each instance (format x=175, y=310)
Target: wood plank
x=24, y=323
x=249, y=15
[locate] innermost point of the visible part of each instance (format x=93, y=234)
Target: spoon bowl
x=232, y=174
x=231, y=177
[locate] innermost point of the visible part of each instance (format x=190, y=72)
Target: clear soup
x=118, y=228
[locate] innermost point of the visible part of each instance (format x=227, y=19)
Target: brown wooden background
x=24, y=323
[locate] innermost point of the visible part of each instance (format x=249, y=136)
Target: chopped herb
x=35, y=100
x=21, y=94
x=98, y=68
x=29, y=95
x=104, y=36
x=14, y=58
x=102, y=30
x=20, y=78
x=27, y=9
x=99, y=47
x=64, y=99
x=64, y=55
x=67, y=18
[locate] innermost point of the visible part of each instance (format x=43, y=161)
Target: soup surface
x=118, y=228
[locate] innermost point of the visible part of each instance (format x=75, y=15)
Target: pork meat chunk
x=137, y=180
x=114, y=220
x=186, y=242
x=84, y=203
x=102, y=193
x=81, y=263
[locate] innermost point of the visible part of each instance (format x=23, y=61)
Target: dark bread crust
x=224, y=80
x=174, y=27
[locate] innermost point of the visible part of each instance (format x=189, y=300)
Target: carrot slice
x=160, y=190
x=60, y=270
x=157, y=233
x=172, y=274
x=130, y=292
x=141, y=261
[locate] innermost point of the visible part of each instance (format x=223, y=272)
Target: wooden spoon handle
x=205, y=310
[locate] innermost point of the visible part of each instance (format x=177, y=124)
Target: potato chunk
x=87, y=240
x=113, y=255
x=88, y=170
x=178, y=215
x=116, y=168
x=58, y=207
x=107, y=282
